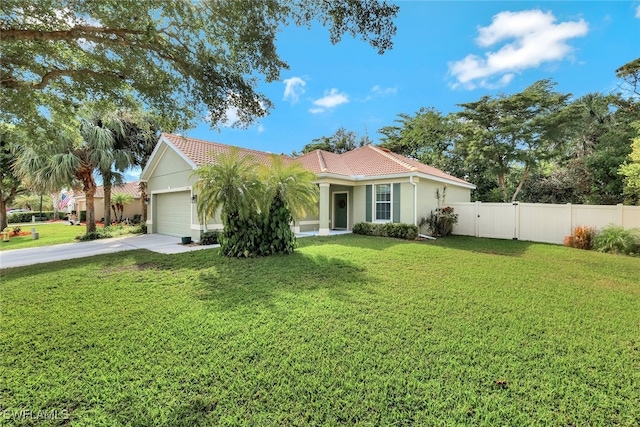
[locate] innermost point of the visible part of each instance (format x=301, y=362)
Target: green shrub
x=440, y=222
x=18, y=217
x=139, y=229
x=397, y=230
x=616, y=239
x=209, y=237
x=582, y=237
x=100, y=233
x=364, y=228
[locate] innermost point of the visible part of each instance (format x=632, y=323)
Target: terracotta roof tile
x=201, y=152
x=367, y=161
x=132, y=188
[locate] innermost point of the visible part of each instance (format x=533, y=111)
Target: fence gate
x=497, y=220
x=537, y=222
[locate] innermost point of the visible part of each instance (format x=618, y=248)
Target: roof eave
x=359, y=178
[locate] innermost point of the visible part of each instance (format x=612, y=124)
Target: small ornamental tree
x=256, y=204
x=290, y=195
x=118, y=200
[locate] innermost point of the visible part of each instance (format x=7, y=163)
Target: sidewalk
x=153, y=242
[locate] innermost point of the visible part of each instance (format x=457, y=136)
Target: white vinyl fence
x=537, y=222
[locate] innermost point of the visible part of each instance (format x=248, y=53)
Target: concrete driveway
x=153, y=242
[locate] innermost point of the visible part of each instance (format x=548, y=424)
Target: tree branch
x=12, y=83
x=77, y=32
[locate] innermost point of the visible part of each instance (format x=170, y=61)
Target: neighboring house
x=130, y=209
x=367, y=184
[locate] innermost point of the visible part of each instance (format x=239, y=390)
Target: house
x=130, y=210
x=367, y=184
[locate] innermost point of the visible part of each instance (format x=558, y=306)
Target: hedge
x=397, y=230
x=18, y=217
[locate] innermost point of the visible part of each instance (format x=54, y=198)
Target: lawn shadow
x=233, y=282
x=353, y=240
x=502, y=247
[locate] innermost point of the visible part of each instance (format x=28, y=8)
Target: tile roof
x=131, y=188
x=201, y=152
x=367, y=161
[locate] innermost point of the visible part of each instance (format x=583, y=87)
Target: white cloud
x=231, y=117
x=331, y=99
x=534, y=38
x=379, y=92
x=638, y=12
x=260, y=128
x=293, y=88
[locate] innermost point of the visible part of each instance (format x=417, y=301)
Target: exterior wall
x=426, y=198
x=537, y=222
x=359, y=203
x=170, y=172
x=130, y=210
x=406, y=203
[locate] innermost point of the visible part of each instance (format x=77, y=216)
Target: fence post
x=570, y=221
x=477, y=220
x=620, y=209
x=516, y=225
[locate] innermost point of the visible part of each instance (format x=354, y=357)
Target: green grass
x=53, y=233
x=347, y=330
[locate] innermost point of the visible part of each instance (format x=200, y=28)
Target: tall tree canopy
x=631, y=169
x=518, y=131
x=181, y=58
x=341, y=141
x=630, y=73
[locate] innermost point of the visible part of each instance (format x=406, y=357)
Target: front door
x=340, y=210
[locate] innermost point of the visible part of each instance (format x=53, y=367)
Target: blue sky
x=445, y=53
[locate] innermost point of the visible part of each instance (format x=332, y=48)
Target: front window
x=383, y=202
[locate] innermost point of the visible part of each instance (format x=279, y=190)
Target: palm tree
x=230, y=185
x=291, y=184
x=69, y=161
x=256, y=203
x=118, y=200
x=32, y=202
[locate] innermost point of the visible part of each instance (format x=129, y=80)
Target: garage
x=172, y=214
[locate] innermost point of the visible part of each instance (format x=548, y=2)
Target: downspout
x=415, y=200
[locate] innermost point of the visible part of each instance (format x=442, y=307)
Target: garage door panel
x=173, y=214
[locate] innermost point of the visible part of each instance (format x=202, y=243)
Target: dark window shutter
x=369, y=202
x=396, y=202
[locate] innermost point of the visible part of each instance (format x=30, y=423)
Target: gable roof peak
x=391, y=155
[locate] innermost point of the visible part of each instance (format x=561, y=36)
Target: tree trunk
x=143, y=196
x=525, y=173
x=91, y=211
x=3, y=214
x=85, y=175
x=503, y=186
x=106, y=185
x=56, y=204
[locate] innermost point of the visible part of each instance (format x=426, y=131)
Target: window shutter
x=396, y=202
x=369, y=202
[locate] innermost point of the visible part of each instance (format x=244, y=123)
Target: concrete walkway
x=153, y=242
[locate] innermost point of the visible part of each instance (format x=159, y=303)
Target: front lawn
x=347, y=330
x=53, y=233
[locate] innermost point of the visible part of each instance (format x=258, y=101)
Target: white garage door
x=173, y=214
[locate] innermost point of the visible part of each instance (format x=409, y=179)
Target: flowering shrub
x=440, y=222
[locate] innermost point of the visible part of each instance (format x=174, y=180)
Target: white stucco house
x=367, y=184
